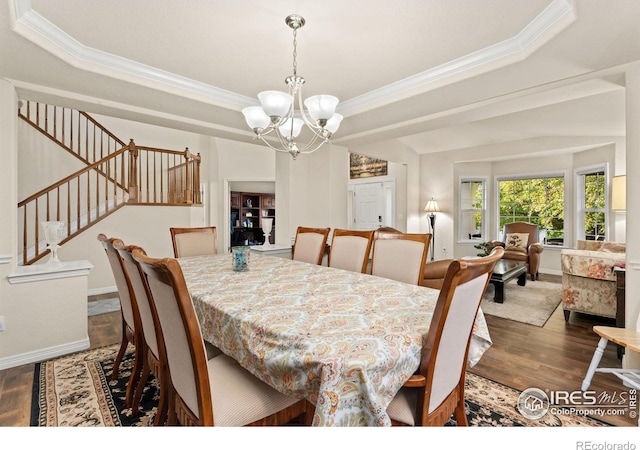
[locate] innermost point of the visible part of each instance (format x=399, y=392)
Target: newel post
x=196, y=181
x=188, y=192
x=133, y=173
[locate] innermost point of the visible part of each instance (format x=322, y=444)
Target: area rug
x=532, y=303
x=77, y=391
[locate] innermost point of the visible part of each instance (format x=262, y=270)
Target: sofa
x=588, y=278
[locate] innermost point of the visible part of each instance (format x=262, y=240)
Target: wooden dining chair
x=149, y=348
x=350, y=249
x=627, y=338
x=194, y=241
x=131, y=323
x=400, y=256
x=309, y=244
x=436, y=390
x=211, y=392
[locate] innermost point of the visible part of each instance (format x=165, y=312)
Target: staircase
x=114, y=174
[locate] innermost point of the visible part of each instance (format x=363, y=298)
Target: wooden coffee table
x=506, y=270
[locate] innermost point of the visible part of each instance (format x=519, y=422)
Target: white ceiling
x=436, y=74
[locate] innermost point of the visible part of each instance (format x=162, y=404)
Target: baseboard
x=43, y=354
x=104, y=290
x=552, y=272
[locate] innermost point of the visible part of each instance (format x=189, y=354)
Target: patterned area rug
x=532, y=303
x=77, y=391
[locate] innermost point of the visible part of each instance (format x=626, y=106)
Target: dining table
x=345, y=341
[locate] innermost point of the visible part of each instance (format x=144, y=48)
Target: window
x=591, y=205
x=472, y=209
x=537, y=200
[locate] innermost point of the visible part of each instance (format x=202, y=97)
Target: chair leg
x=461, y=414
x=121, y=352
x=142, y=381
x=597, y=356
x=161, y=410
x=135, y=374
x=165, y=392
x=172, y=418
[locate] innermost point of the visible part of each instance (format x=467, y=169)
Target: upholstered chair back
x=400, y=256
x=532, y=230
x=145, y=307
x=122, y=284
x=436, y=391
x=350, y=250
x=180, y=329
x=194, y=241
x=309, y=244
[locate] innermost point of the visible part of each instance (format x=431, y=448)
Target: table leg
x=499, y=291
x=522, y=279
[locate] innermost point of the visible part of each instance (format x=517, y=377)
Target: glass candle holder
x=267, y=227
x=54, y=233
x=240, y=258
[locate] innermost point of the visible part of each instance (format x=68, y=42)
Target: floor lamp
x=432, y=209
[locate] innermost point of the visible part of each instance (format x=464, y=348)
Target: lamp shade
x=432, y=206
x=321, y=106
x=275, y=103
x=255, y=117
x=288, y=131
x=334, y=123
x=619, y=193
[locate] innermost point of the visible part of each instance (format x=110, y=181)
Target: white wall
x=40, y=162
x=145, y=226
x=315, y=187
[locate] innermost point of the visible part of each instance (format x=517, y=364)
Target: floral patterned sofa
x=588, y=279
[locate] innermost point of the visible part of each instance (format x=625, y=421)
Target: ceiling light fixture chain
x=295, y=51
x=278, y=114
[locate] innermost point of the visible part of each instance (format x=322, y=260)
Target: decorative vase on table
x=267, y=226
x=240, y=258
x=54, y=233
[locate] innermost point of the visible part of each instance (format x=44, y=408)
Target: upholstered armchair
x=521, y=243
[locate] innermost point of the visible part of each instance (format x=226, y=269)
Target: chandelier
x=277, y=113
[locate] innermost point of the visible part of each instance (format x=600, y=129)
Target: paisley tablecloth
x=346, y=341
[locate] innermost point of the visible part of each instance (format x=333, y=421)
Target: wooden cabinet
x=248, y=209
x=235, y=200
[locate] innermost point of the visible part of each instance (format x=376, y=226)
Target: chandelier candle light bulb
x=277, y=111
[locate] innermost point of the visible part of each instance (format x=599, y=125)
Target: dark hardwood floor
x=553, y=357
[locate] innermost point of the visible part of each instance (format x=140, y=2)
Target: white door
x=368, y=206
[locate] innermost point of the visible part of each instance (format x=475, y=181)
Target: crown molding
x=32, y=26
x=29, y=24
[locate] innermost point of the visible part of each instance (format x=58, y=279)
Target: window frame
x=580, y=210
x=532, y=176
x=484, y=228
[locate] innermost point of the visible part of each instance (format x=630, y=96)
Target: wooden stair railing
x=132, y=174
x=75, y=131
x=167, y=177
x=80, y=200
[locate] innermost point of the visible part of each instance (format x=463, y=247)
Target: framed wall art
x=361, y=166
